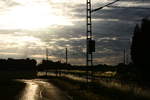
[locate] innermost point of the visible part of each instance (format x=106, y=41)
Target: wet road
x=38, y=89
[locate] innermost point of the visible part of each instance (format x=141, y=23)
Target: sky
x=28, y=27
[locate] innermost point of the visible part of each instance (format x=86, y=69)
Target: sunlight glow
x=33, y=17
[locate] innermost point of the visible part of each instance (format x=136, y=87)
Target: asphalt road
x=38, y=89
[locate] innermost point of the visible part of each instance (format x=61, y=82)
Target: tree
x=140, y=48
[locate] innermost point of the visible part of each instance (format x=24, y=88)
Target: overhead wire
x=104, y=6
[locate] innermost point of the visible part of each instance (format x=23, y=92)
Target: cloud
x=112, y=30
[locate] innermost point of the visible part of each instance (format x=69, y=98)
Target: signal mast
x=90, y=42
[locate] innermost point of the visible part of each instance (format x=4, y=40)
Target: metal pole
x=89, y=55
x=66, y=56
x=46, y=54
x=46, y=59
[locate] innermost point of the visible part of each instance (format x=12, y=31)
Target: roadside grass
x=74, y=90
x=94, y=90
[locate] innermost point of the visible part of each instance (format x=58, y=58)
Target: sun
x=35, y=17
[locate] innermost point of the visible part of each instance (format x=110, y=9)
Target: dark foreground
x=63, y=89
x=25, y=86
x=9, y=89
x=32, y=89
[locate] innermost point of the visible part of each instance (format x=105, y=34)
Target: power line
x=104, y=6
x=113, y=6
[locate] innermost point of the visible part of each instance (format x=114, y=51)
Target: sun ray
x=34, y=17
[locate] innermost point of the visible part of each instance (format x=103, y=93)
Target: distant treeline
x=28, y=64
x=48, y=64
x=17, y=64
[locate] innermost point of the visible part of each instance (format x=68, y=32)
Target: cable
x=104, y=6
x=128, y=7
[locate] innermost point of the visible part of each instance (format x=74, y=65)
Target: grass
x=94, y=91
x=74, y=90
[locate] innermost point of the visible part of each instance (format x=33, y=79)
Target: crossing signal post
x=90, y=43
x=89, y=38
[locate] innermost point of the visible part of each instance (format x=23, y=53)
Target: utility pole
x=66, y=56
x=46, y=71
x=46, y=54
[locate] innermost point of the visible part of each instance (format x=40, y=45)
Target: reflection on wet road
x=38, y=89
